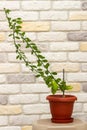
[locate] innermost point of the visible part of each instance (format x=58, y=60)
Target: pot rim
x=67, y=98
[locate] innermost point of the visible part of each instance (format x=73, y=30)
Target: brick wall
x=59, y=27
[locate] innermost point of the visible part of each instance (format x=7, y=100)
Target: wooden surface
x=46, y=124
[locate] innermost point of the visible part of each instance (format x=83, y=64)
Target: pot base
x=62, y=121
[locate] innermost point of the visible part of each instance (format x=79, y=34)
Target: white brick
x=81, y=116
x=78, y=107
x=84, y=25
x=64, y=46
x=2, y=78
x=3, y=120
x=36, y=109
x=52, y=36
x=78, y=56
x=25, y=69
x=36, y=5
x=4, y=26
x=23, y=99
x=78, y=15
x=12, y=5
x=45, y=116
x=23, y=119
x=34, y=88
x=10, y=128
x=66, y=5
x=9, y=68
x=69, y=67
x=5, y=45
x=81, y=77
x=25, y=15
x=53, y=15
x=54, y=56
x=43, y=98
x=85, y=107
x=9, y=89
x=81, y=97
x=2, y=16
x=84, y=67
x=65, y=26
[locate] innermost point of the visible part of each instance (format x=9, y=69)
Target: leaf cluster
x=41, y=68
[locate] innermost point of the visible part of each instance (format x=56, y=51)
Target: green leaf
x=45, y=60
x=46, y=72
x=47, y=65
x=17, y=56
x=54, y=73
x=54, y=87
x=28, y=45
x=39, y=69
x=38, y=76
x=18, y=27
x=19, y=19
x=40, y=56
x=17, y=37
x=19, y=22
x=23, y=33
x=68, y=87
x=10, y=35
x=7, y=10
x=14, y=20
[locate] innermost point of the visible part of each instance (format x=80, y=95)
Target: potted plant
x=61, y=106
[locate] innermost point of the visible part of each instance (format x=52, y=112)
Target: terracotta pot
x=61, y=108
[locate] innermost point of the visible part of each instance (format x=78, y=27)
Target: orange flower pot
x=61, y=108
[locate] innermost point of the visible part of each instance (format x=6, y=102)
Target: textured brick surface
x=2, y=37
x=78, y=107
x=13, y=5
x=77, y=77
x=3, y=120
x=53, y=15
x=23, y=99
x=64, y=46
x=36, y=5
x=84, y=25
x=23, y=119
x=66, y=5
x=9, y=89
x=39, y=108
x=84, y=87
x=84, y=5
x=52, y=36
x=78, y=56
x=10, y=128
x=9, y=68
x=32, y=88
x=27, y=128
x=78, y=15
x=64, y=26
x=28, y=78
x=10, y=110
x=2, y=78
x=69, y=67
x=3, y=99
x=2, y=58
x=77, y=36
x=4, y=47
x=59, y=28
x=83, y=46
x=36, y=26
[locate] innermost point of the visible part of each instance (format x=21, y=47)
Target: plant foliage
x=41, y=68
